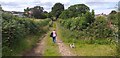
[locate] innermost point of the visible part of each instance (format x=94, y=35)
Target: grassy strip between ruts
x=51, y=49
x=83, y=49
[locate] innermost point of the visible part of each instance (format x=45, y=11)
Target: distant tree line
x=57, y=11
x=35, y=12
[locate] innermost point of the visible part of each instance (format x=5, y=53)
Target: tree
x=113, y=17
x=26, y=12
x=113, y=12
x=57, y=9
x=75, y=11
x=49, y=15
x=65, y=14
x=36, y=12
x=78, y=9
x=89, y=17
x=93, y=13
x=45, y=14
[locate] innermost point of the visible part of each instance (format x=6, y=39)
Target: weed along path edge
x=63, y=49
x=38, y=50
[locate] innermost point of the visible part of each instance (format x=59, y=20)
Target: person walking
x=53, y=35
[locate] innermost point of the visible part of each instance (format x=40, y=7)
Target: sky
x=100, y=6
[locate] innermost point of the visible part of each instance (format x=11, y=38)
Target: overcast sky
x=100, y=6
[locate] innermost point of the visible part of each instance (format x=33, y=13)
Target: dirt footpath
x=63, y=49
x=38, y=50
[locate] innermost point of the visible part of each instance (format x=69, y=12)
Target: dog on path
x=72, y=45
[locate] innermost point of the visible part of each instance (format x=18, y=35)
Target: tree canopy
x=36, y=12
x=75, y=11
x=79, y=8
x=57, y=9
x=113, y=12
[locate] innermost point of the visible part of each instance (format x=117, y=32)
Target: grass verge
x=85, y=49
x=26, y=44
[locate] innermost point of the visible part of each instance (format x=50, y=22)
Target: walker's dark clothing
x=54, y=39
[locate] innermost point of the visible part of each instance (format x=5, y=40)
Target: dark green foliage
x=113, y=12
x=57, y=9
x=36, y=12
x=113, y=18
x=79, y=8
x=79, y=23
x=100, y=29
x=118, y=45
x=66, y=14
x=83, y=37
x=27, y=12
x=15, y=29
x=74, y=11
x=89, y=17
x=90, y=29
x=49, y=15
x=118, y=17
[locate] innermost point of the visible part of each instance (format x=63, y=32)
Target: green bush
x=78, y=23
x=15, y=29
x=96, y=31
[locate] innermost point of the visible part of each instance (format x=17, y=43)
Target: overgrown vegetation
x=118, y=45
x=87, y=29
x=77, y=25
x=15, y=30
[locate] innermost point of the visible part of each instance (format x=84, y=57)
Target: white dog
x=72, y=45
